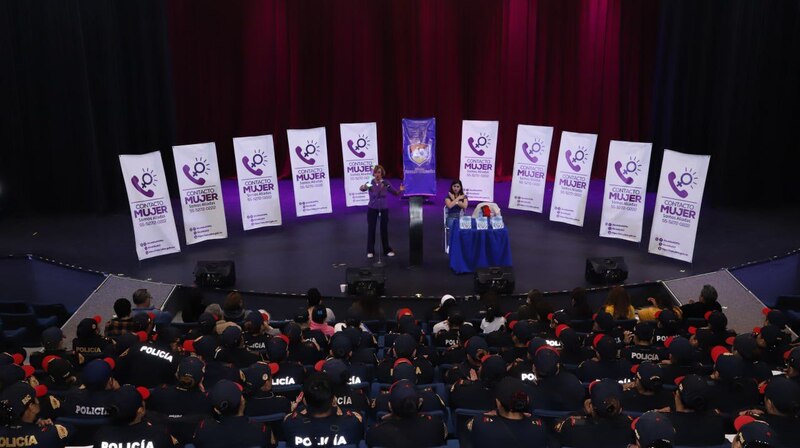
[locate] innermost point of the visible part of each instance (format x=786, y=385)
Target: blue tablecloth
x=472, y=249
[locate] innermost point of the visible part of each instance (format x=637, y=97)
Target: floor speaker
x=496, y=278
x=606, y=270
x=217, y=274
x=368, y=281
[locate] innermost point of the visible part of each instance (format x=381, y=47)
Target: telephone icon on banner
x=623, y=173
x=199, y=168
x=676, y=187
x=471, y=143
x=251, y=166
x=579, y=156
x=305, y=155
x=147, y=180
x=531, y=154
x=360, y=143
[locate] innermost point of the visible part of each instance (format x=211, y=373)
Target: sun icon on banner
x=201, y=166
x=149, y=177
x=688, y=178
x=362, y=142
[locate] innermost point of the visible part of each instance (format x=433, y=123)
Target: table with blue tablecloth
x=471, y=249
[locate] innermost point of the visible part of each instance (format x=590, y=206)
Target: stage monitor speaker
x=606, y=270
x=368, y=281
x=217, y=274
x=496, y=278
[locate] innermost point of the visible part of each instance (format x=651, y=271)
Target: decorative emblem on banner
x=201, y=167
x=533, y=150
x=361, y=143
x=305, y=153
x=578, y=159
x=688, y=178
x=419, y=153
x=483, y=141
x=148, y=178
x=633, y=166
x=258, y=159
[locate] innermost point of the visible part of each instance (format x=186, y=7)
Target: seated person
x=511, y=424
x=406, y=426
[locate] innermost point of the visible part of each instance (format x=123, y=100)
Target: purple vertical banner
x=419, y=157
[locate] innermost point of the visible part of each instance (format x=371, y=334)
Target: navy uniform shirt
x=592, y=369
x=418, y=431
x=511, y=354
x=560, y=392
x=216, y=371
x=306, y=353
x=431, y=401
x=589, y=432
x=36, y=358
x=471, y=395
x=31, y=434
x=422, y=367
x=95, y=347
x=87, y=403
x=144, y=433
x=632, y=400
x=232, y=432
x=697, y=429
x=147, y=365
x=460, y=372
x=730, y=397
x=785, y=427
x=243, y=358
x=289, y=374
x=353, y=400
x=256, y=342
x=637, y=354
x=492, y=430
x=340, y=428
x=177, y=401
x=266, y=403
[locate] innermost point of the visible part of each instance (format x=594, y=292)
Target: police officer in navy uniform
x=745, y=346
x=667, y=325
x=406, y=426
x=521, y=333
x=645, y=392
x=511, y=424
x=255, y=333
x=303, y=350
x=773, y=343
x=603, y=425
x=127, y=411
x=53, y=344
x=731, y=391
x=219, y=363
x=404, y=347
x=572, y=350
x=642, y=349
x=19, y=419
x=231, y=338
x=476, y=348
x=752, y=433
x=230, y=427
x=94, y=395
x=89, y=343
x=320, y=422
x=181, y=406
x=152, y=363
x=606, y=364
x=793, y=364
x=346, y=397
x=653, y=430
x=477, y=392
x=695, y=423
x=342, y=348
x=782, y=410
x=261, y=400
x=290, y=373
x=555, y=388
x=404, y=371
x=681, y=360
x=58, y=375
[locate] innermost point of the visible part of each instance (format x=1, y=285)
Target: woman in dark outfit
x=378, y=187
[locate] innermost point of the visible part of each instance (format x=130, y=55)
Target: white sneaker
x=370, y=255
x=390, y=254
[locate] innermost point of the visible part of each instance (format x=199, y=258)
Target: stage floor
x=315, y=251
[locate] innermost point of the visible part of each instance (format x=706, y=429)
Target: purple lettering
x=678, y=211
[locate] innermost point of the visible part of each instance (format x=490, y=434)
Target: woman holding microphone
x=378, y=187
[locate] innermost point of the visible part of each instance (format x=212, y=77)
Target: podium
x=415, y=229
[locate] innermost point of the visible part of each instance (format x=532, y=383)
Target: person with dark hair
x=642, y=348
x=378, y=187
x=705, y=303
x=603, y=423
x=347, y=397
x=181, y=406
x=455, y=202
x=572, y=350
x=579, y=308
x=493, y=319
x=447, y=332
x=152, y=363
x=318, y=321
x=314, y=298
x=658, y=303
x=695, y=424
x=230, y=427
x=441, y=312
x=681, y=360
x=511, y=423
x=618, y=304
x=320, y=422
x=127, y=410
x=97, y=386
x=261, y=400
x=233, y=308
x=405, y=426
x=122, y=322
x=19, y=419
x=645, y=392
x=653, y=430
x=306, y=346
x=53, y=345
x=555, y=388
x=605, y=364
x=255, y=332
x=731, y=391
x=745, y=346
x=289, y=372
x=475, y=349
x=667, y=325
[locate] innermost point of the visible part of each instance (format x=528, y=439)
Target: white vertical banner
x=680, y=194
x=360, y=155
x=200, y=192
x=531, y=156
x=258, y=181
x=478, y=150
x=573, y=173
x=148, y=195
x=308, y=152
x=626, y=186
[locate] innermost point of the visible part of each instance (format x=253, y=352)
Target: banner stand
x=415, y=229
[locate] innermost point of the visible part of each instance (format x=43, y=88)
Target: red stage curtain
x=247, y=67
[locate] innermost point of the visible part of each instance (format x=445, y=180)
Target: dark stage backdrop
x=85, y=80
